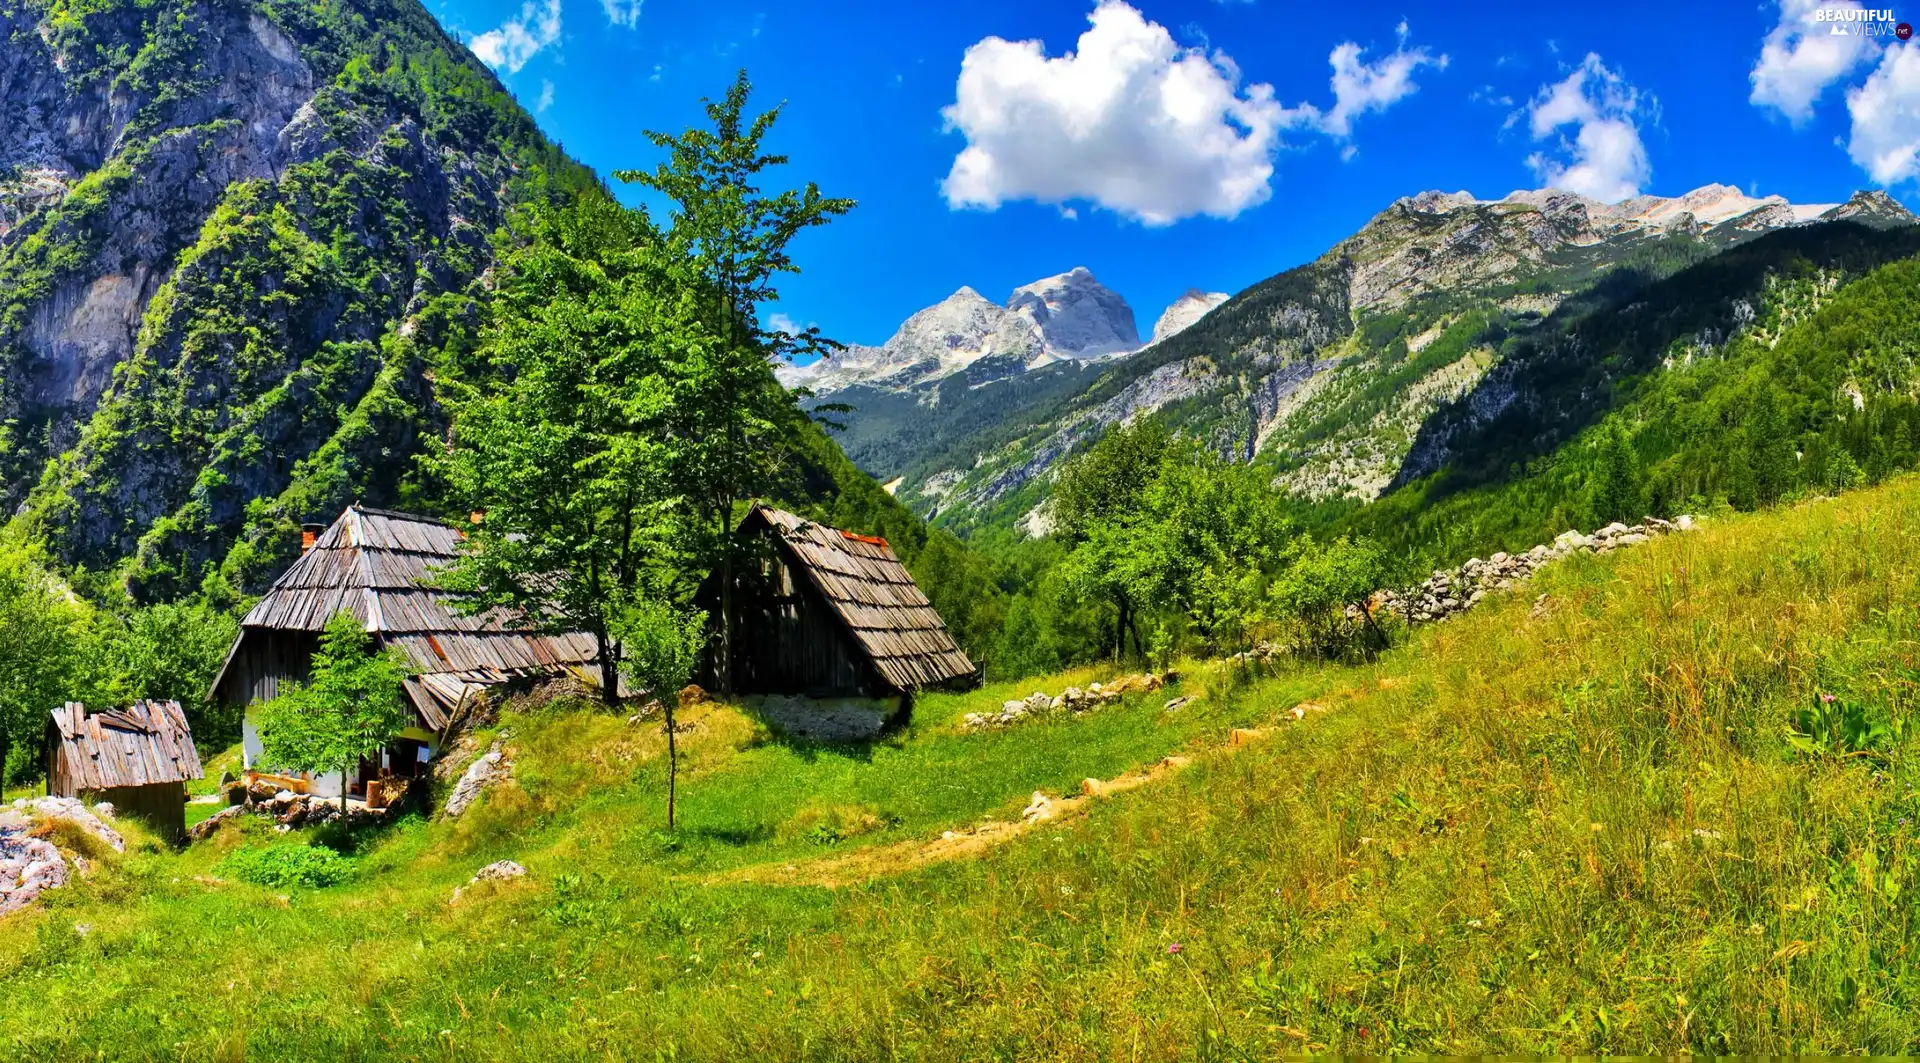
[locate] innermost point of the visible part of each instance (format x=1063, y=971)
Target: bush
x=287, y=865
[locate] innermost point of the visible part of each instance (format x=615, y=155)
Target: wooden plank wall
x=265, y=660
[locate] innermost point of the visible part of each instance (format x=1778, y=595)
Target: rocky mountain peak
x=1066, y=317
x=1184, y=311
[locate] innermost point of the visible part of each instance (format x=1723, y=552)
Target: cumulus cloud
x=1800, y=59
x=1604, y=158
x=1360, y=87
x=625, y=12
x=1139, y=125
x=520, y=38
x=546, y=97
x=1130, y=121
x=1885, y=140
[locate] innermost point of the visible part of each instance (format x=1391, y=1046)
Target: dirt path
x=878, y=861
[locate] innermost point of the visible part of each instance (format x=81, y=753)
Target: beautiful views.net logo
x=1864, y=22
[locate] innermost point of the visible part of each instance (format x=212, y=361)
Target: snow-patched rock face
x=1184, y=311
x=1703, y=208
x=1452, y=241
x=1071, y=316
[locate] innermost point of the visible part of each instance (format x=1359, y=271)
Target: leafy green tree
x=172, y=651
x=45, y=659
x=663, y=645
x=733, y=422
x=1320, y=585
x=349, y=709
x=1211, y=531
x=562, y=435
x=1098, y=508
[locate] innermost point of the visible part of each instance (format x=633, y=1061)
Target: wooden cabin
x=380, y=566
x=138, y=759
x=829, y=614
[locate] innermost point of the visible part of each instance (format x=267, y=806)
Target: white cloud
x=781, y=322
x=1605, y=159
x=1360, y=87
x=1129, y=121
x=1885, y=140
x=519, y=39
x=1800, y=59
x=546, y=97
x=622, y=12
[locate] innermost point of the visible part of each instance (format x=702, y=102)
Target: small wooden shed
x=138, y=759
x=831, y=614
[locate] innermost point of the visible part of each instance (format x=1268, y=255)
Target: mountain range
x=1336, y=372
x=1069, y=317
x=237, y=241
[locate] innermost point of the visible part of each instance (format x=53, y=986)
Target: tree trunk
x=343, y=791
x=673, y=758
x=609, y=669
x=1379, y=636
x=6, y=750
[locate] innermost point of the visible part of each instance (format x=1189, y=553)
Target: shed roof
x=145, y=743
x=380, y=566
x=889, y=617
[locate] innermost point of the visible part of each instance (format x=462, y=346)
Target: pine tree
x=1619, y=489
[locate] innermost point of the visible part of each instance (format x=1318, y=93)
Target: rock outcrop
x=487, y=769
x=30, y=860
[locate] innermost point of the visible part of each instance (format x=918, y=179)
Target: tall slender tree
x=732, y=420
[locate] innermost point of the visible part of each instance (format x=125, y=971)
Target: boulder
x=206, y=827
x=487, y=769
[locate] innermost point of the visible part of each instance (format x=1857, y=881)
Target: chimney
x=309, y=533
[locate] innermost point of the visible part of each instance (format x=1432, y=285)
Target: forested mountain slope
x=238, y=243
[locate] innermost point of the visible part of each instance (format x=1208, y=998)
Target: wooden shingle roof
x=380, y=566
x=145, y=743
x=888, y=616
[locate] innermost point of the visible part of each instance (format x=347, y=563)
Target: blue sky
x=1203, y=144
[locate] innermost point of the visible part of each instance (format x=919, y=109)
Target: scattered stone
x=498, y=871
x=1073, y=700
x=103, y=809
x=1176, y=704
x=1041, y=808
x=489, y=768
x=1450, y=591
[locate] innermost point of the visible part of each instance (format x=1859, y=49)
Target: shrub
x=287, y=865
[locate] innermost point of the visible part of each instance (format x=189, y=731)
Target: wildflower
x=1828, y=699
x=1174, y=949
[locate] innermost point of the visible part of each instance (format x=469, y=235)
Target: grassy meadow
x=1581, y=828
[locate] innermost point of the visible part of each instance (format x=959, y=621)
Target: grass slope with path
x=1585, y=829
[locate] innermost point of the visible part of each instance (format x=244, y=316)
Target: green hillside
x=1582, y=827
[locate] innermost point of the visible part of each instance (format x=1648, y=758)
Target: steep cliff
x=234, y=237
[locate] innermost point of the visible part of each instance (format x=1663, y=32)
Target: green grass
x=1580, y=832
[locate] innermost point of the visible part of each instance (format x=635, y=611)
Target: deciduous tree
x=349, y=709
